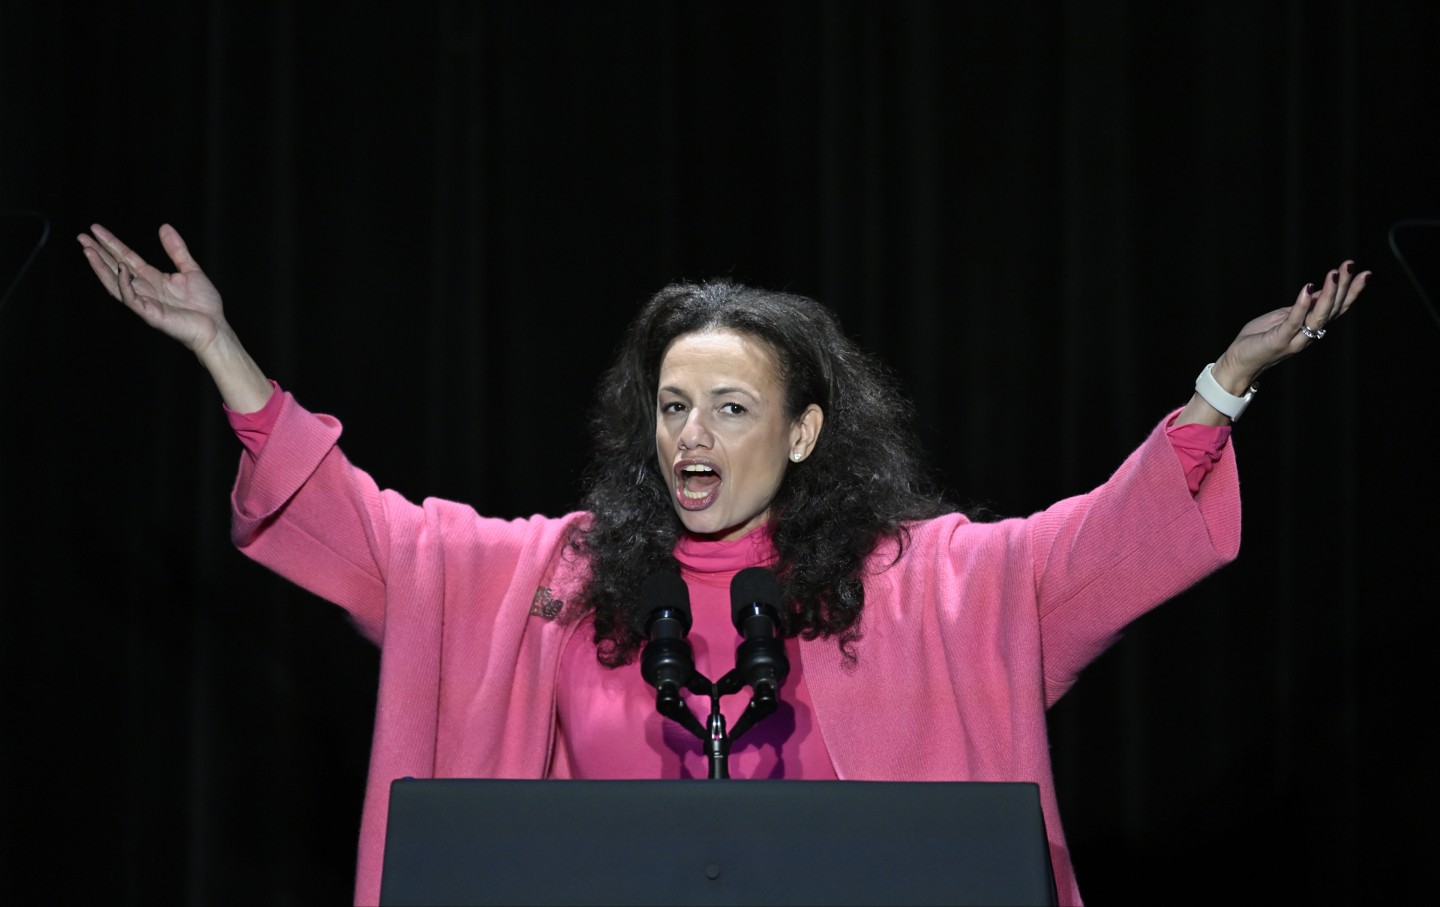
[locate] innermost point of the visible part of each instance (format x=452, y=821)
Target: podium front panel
x=463, y=841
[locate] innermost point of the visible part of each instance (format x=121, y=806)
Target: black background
x=433, y=220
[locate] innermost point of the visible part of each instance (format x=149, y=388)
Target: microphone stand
x=669, y=665
x=713, y=734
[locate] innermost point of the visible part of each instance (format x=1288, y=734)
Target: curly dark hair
x=862, y=483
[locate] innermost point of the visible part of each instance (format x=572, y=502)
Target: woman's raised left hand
x=1278, y=335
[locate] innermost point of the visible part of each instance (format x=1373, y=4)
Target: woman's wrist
x=242, y=385
x=1222, y=393
x=1199, y=412
x=1232, y=379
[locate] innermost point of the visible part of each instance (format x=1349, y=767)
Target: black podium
x=715, y=842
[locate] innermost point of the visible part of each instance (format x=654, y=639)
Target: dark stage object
x=695, y=842
x=1416, y=246
x=22, y=236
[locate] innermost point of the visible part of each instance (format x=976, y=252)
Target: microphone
x=755, y=611
x=668, y=661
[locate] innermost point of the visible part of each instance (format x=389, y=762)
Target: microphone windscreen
x=753, y=585
x=666, y=590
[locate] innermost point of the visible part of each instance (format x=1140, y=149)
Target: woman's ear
x=805, y=432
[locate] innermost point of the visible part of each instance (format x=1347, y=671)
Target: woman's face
x=721, y=433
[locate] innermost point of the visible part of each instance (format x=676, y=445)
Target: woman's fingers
x=106, y=259
x=1338, y=292
x=1298, y=319
x=125, y=287
x=1314, y=310
x=104, y=267
x=1278, y=335
x=183, y=305
x=1308, y=302
x=1337, y=282
x=117, y=250
x=177, y=250
x=110, y=259
x=1353, y=291
x=1342, y=287
x=123, y=254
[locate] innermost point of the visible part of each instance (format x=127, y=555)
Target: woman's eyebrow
x=722, y=391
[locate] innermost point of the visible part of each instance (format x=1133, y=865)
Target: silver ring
x=1310, y=332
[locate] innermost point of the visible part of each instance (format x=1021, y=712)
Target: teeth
x=696, y=470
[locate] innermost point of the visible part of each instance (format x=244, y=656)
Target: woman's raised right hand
x=184, y=305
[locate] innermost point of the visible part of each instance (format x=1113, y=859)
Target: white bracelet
x=1212, y=393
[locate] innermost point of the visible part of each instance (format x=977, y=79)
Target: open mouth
x=696, y=485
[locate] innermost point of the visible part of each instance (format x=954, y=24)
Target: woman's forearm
x=242, y=385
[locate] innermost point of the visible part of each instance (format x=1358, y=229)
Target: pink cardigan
x=967, y=638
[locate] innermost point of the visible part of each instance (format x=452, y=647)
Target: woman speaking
x=737, y=428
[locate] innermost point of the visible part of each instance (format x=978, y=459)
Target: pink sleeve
x=1104, y=558
x=301, y=509
x=253, y=428
x=1199, y=448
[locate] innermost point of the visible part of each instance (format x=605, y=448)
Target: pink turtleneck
x=608, y=726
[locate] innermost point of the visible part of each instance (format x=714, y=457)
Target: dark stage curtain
x=433, y=220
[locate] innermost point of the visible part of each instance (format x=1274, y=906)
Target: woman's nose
x=695, y=434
